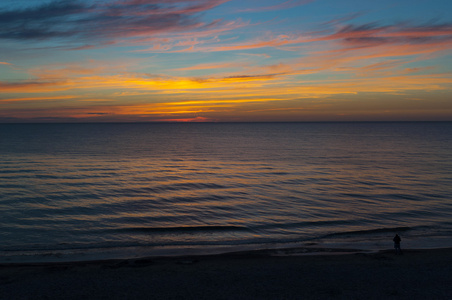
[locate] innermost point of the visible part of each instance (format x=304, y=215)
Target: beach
x=264, y=274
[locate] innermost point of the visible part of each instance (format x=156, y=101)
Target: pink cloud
x=285, y=5
x=369, y=35
x=348, y=36
x=175, y=42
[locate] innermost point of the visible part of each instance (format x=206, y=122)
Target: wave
x=369, y=231
x=307, y=224
x=168, y=188
x=135, y=186
x=209, y=228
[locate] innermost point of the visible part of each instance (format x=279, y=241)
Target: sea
x=127, y=190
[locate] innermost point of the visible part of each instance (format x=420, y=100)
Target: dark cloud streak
x=80, y=21
x=39, y=22
x=373, y=34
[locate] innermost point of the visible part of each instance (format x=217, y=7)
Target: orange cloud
x=276, y=42
x=195, y=119
x=34, y=86
x=210, y=66
x=42, y=98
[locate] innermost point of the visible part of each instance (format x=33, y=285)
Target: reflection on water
x=121, y=185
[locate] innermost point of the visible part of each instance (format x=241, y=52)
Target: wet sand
x=273, y=274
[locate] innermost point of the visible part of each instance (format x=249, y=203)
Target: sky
x=225, y=60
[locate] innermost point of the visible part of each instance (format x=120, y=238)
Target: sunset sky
x=225, y=60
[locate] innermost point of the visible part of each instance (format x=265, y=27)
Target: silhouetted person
x=397, y=240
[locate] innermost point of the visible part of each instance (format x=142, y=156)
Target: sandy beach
x=272, y=274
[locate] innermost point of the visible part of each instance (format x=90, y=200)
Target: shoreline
x=237, y=253
x=264, y=274
x=35, y=257
x=366, y=243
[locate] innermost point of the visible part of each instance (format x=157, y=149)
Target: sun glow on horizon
x=225, y=61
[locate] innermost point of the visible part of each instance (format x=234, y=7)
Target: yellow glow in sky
x=223, y=60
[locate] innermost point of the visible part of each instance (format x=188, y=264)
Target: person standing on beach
x=397, y=240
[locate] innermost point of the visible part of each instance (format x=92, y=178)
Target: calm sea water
x=130, y=189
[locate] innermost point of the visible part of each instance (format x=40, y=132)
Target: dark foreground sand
x=418, y=274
